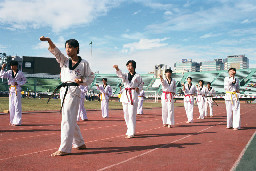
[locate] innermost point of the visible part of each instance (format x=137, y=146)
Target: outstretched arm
x=119, y=73
x=61, y=59
x=4, y=74
x=51, y=44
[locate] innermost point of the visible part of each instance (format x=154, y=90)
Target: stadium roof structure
x=247, y=79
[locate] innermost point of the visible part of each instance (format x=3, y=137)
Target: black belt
x=58, y=87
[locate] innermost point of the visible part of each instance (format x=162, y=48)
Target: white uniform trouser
x=168, y=112
x=201, y=108
x=15, y=108
x=70, y=131
x=140, y=107
x=189, y=106
x=81, y=111
x=208, y=103
x=130, y=117
x=235, y=120
x=104, y=108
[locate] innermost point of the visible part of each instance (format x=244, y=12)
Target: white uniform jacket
x=129, y=95
x=19, y=78
x=168, y=89
x=68, y=73
x=231, y=87
x=105, y=92
x=189, y=91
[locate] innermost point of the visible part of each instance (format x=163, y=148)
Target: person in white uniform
x=132, y=86
x=189, y=91
x=141, y=97
x=105, y=93
x=82, y=111
x=209, y=93
x=169, y=90
x=201, y=99
x=231, y=85
x=16, y=79
x=75, y=71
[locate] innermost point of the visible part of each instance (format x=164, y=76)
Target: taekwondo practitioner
x=231, y=85
x=81, y=110
x=169, y=90
x=209, y=93
x=75, y=71
x=201, y=99
x=141, y=97
x=106, y=92
x=16, y=79
x=189, y=92
x=132, y=86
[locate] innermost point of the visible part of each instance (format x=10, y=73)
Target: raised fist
x=116, y=67
x=42, y=38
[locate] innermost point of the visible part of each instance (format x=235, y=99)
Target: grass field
x=41, y=104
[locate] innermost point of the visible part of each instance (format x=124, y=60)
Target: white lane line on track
x=22, y=155
x=150, y=151
x=86, y=129
x=242, y=153
x=147, y=152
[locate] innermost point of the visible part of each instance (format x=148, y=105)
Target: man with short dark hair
x=189, y=92
x=132, y=86
x=209, y=93
x=106, y=92
x=74, y=72
x=16, y=79
x=231, y=85
x=169, y=90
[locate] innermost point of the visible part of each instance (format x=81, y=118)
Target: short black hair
x=209, y=83
x=105, y=79
x=232, y=69
x=190, y=78
x=168, y=70
x=201, y=81
x=73, y=43
x=13, y=63
x=133, y=63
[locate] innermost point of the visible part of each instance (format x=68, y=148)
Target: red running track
x=202, y=145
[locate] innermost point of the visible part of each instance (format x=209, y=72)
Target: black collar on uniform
x=201, y=88
x=168, y=81
x=209, y=89
x=74, y=67
x=189, y=87
x=13, y=76
x=234, y=81
x=130, y=76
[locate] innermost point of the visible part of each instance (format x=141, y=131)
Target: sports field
x=203, y=145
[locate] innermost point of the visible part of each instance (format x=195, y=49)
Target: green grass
x=41, y=104
x=248, y=161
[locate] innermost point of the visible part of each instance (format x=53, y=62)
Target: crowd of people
x=76, y=76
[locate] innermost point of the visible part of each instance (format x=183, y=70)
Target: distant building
x=34, y=66
x=236, y=61
x=215, y=65
x=186, y=65
x=40, y=66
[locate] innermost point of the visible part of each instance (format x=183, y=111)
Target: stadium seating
x=247, y=79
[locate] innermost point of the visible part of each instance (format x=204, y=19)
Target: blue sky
x=148, y=31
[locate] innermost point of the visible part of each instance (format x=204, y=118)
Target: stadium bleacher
x=247, y=79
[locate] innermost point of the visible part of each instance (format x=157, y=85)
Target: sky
x=148, y=31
